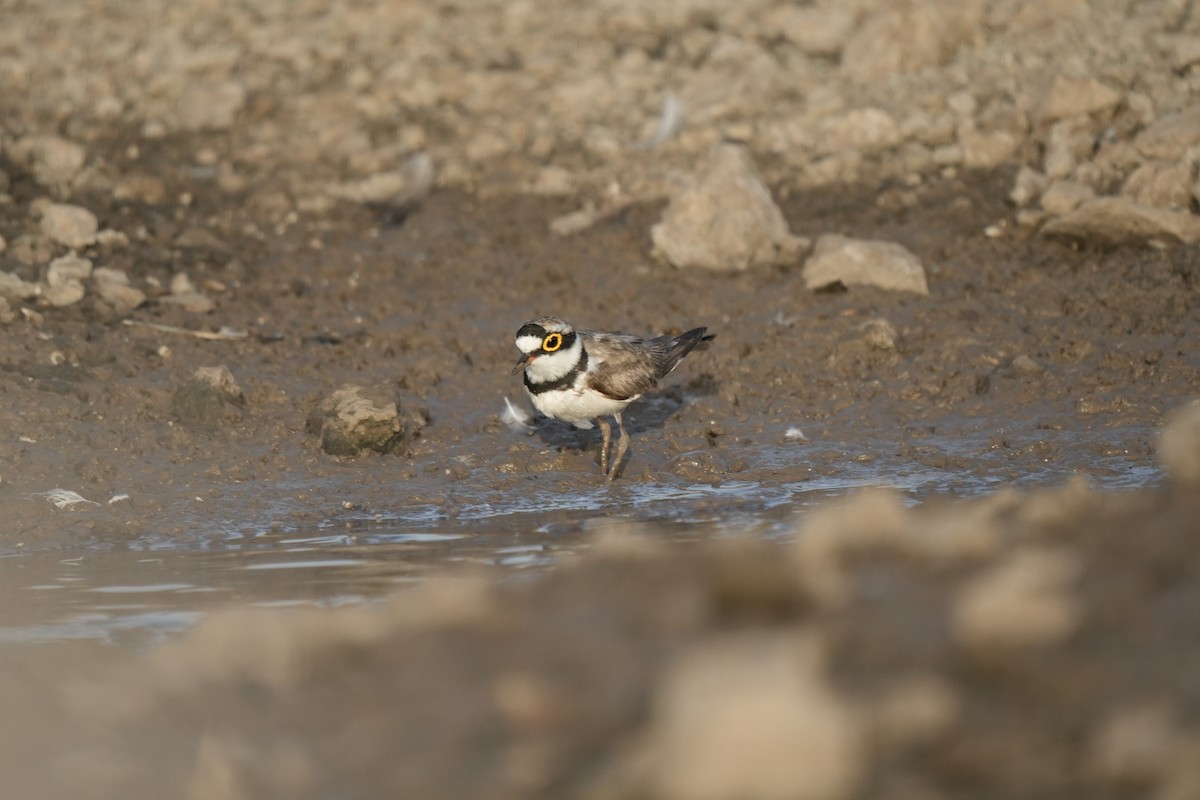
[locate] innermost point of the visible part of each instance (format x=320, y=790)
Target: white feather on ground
x=516, y=418
x=64, y=498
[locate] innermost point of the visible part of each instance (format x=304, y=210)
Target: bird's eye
x=552, y=342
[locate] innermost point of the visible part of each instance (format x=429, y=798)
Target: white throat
x=552, y=366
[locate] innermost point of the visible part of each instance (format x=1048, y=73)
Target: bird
x=583, y=376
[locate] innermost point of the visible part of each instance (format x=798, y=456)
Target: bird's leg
x=606, y=430
x=622, y=447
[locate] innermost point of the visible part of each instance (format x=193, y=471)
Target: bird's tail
x=679, y=346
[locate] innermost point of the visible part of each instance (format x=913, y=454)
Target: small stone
x=1135, y=744
x=879, y=334
x=140, y=188
x=3, y=244
x=859, y=262
x=1027, y=187
x=1070, y=97
x=904, y=37
x=30, y=250
x=54, y=161
x=917, y=709
x=1022, y=601
x=863, y=129
x=1062, y=197
x=727, y=222
x=1116, y=220
x=112, y=288
x=1179, y=445
x=755, y=716
x=7, y=315
x=1184, y=50
x=13, y=287
x=70, y=225
x=210, y=106
x=818, y=30
x=357, y=418
x=66, y=269
x=64, y=280
x=1170, y=137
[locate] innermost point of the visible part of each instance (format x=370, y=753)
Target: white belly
x=578, y=407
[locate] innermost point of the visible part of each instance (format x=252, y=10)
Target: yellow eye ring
x=552, y=342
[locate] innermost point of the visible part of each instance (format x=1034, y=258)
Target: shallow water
x=143, y=590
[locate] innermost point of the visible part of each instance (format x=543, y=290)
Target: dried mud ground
x=872, y=664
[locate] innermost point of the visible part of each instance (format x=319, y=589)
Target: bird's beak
x=522, y=361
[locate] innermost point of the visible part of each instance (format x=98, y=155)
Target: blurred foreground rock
x=889, y=648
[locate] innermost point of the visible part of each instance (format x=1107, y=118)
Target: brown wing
x=624, y=365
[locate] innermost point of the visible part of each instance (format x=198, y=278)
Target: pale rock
x=64, y=280
x=7, y=315
x=914, y=710
x=1117, y=220
x=908, y=35
x=1027, y=187
x=30, y=250
x=65, y=294
x=69, y=225
x=1179, y=445
x=755, y=715
x=54, y=161
x=67, y=269
x=862, y=129
x=985, y=149
x=209, y=106
x=1162, y=185
x=13, y=287
x=112, y=287
x=1184, y=50
x=1020, y=16
x=1022, y=601
x=1070, y=97
x=139, y=187
x=818, y=30
x=1170, y=137
x=1068, y=142
x=1135, y=745
x=3, y=244
x=727, y=221
x=1062, y=197
x=554, y=181
x=859, y=262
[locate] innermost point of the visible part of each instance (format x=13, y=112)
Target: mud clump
x=210, y=399
x=358, y=418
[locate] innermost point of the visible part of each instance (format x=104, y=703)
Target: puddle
x=154, y=587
